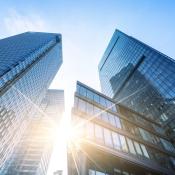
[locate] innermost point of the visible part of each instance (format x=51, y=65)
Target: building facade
x=112, y=139
x=28, y=64
x=140, y=78
x=33, y=152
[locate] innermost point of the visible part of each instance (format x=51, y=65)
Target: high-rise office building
x=28, y=64
x=109, y=141
x=33, y=152
x=140, y=78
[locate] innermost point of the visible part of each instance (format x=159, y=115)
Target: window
x=123, y=143
x=112, y=119
x=117, y=172
x=103, y=101
x=163, y=117
x=158, y=129
x=116, y=140
x=117, y=121
x=167, y=145
x=98, y=132
x=109, y=104
x=76, y=102
x=100, y=173
x=131, y=146
x=83, y=91
x=78, y=88
x=90, y=130
x=91, y=172
x=82, y=105
x=89, y=108
x=137, y=147
x=97, y=112
x=96, y=98
x=89, y=94
x=172, y=159
x=114, y=108
x=107, y=136
x=104, y=116
x=145, y=153
x=145, y=135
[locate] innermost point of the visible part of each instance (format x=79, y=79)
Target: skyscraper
x=106, y=141
x=33, y=152
x=140, y=78
x=28, y=64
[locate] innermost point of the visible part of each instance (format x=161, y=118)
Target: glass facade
x=33, y=152
x=116, y=172
x=140, y=78
x=28, y=64
x=128, y=138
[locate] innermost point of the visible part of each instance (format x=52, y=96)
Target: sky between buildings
x=86, y=28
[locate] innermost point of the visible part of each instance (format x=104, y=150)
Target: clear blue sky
x=86, y=28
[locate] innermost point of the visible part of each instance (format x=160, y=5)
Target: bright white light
x=63, y=134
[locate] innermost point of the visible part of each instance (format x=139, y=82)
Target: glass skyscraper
x=33, y=152
x=111, y=139
x=28, y=64
x=140, y=78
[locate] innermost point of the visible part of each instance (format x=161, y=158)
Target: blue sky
x=86, y=28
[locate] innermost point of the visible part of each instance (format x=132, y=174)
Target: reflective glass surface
x=140, y=78
x=125, y=133
x=20, y=101
x=33, y=152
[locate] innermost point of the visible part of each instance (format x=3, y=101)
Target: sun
x=66, y=135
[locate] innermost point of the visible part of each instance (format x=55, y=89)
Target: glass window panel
x=137, y=147
x=98, y=132
x=83, y=91
x=145, y=153
x=82, y=105
x=116, y=140
x=117, y=172
x=158, y=129
x=111, y=119
x=167, y=145
x=145, y=135
x=96, y=98
x=81, y=131
x=107, y=136
x=97, y=112
x=78, y=88
x=123, y=143
x=91, y=172
x=103, y=101
x=99, y=173
x=89, y=94
x=90, y=130
x=114, y=108
x=117, y=121
x=131, y=146
x=104, y=116
x=89, y=108
x=76, y=102
x=109, y=104
x=172, y=159
x=163, y=117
